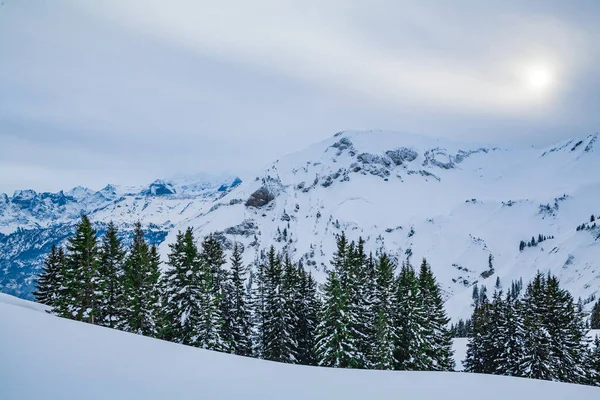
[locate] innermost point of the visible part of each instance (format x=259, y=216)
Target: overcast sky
x=126, y=91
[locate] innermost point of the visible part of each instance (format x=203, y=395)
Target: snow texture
x=53, y=358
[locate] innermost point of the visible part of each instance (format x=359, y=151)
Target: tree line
x=364, y=316
x=540, y=335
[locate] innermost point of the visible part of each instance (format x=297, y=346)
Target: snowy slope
x=454, y=203
x=52, y=358
x=30, y=222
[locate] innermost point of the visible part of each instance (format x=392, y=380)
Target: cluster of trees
x=102, y=283
x=541, y=335
x=591, y=225
x=372, y=318
x=533, y=242
x=462, y=329
x=366, y=317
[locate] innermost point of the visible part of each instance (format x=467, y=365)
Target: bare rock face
x=260, y=198
x=401, y=155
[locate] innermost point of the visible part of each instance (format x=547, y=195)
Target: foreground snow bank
x=52, y=358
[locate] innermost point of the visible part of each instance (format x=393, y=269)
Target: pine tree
x=359, y=288
x=48, y=281
x=182, y=297
x=410, y=344
x=308, y=314
x=510, y=338
x=211, y=324
x=110, y=291
x=595, y=316
x=536, y=360
x=438, y=339
x=258, y=295
x=334, y=345
x=566, y=328
x=81, y=278
x=214, y=259
x=592, y=364
x=385, y=332
x=142, y=287
x=240, y=313
x=337, y=345
x=279, y=345
x=478, y=346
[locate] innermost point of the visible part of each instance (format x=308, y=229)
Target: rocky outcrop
x=260, y=198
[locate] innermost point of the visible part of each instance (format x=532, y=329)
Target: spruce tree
x=211, y=324
x=240, y=312
x=409, y=349
x=510, y=338
x=142, y=287
x=478, y=347
x=48, y=281
x=566, y=328
x=595, y=316
x=592, y=364
x=279, y=344
x=536, y=360
x=110, y=291
x=182, y=296
x=334, y=348
x=81, y=279
x=338, y=337
x=438, y=339
x=213, y=258
x=385, y=332
x=308, y=319
x=258, y=295
x=360, y=286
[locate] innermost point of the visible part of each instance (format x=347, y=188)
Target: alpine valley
x=476, y=212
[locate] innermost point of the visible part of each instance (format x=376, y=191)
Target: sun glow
x=539, y=78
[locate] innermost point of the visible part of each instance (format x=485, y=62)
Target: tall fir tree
x=82, y=274
x=240, y=312
x=308, y=319
x=182, y=283
x=338, y=338
x=213, y=259
x=438, y=339
x=536, y=361
x=48, y=282
x=142, y=287
x=279, y=340
x=566, y=328
x=478, y=358
x=211, y=320
x=592, y=364
x=595, y=316
x=110, y=291
x=409, y=349
x=383, y=310
x=257, y=304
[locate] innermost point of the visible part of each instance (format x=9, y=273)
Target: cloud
x=319, y=42
x=155, y=88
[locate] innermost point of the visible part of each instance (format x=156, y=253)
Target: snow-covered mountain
x=455, y=203
x=56, y=358
x=30, y=222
